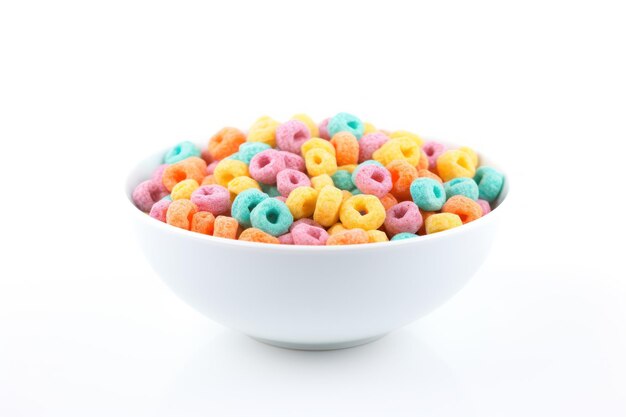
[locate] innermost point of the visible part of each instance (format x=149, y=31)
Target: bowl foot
x=318, y=346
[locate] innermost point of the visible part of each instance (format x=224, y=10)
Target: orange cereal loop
x=346, y=195
x=349, y=237
x=226, y=142
x=466, y=208
x=190, y=168
x=209, y=180
x=402, y=175
x=424, y=173
x=257, y=235
x=346, y=147
x=202, y=222
x=425, y=215
x=388, y=201
x=225, y=227
x=180, y=213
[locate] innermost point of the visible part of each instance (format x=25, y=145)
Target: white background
x=88, y=88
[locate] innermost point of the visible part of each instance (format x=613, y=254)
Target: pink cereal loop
x=291, y=135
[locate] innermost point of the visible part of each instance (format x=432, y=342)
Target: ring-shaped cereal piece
x=402, y=176
x=363, y=212
x=265, y=166
x=272, y=216
x=244, y=203
x=181, y=151
x=147, y=193
x=237, y=185
x=159, y=209
x=461, y=186
x=374, y=180
x=291, y=135
x=428, y=194
x=442, y=221
x=203, y=222
x=304, y=234
x=345, y=122
x=184, y=189
x=225, y=227
x=317, y=143
x=180, y=213
x=213, y=198
x=288, y=180
x=248, y=150
x=490, y=183
x=342, y=179
x=329, y=200
x=190, y=168
x=319, y=161
x=467, y=209
x=226, y=142
x=264, y=131
x=302, y=202
x=346, y=147
x=454, y=164
x=403, y=217
x=229, y=169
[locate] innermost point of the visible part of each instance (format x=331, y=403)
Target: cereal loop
x=180, y=213
x=226, y=142
x=362, y=211
x=327, y=207
x=467, y=209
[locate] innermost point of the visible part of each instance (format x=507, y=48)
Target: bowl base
x=319, y=346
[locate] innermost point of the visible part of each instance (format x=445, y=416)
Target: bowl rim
x=504, y=194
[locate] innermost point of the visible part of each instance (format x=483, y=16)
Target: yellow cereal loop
x=239, y=184
x=350, y=168
x=400, y=134
x=362, y=211
x=301, y=202
x=377, y=236
x=455, y=164
x=321, y=181
x=319, y=161
x=369, y=128
x=314, y=143
x=308, y=122
x=228, y=169
x=183, y=189
x=442, y=221
x=399, y=148
x=336, y=228
x=264, y=130
x=329, y=201
x=472, y=154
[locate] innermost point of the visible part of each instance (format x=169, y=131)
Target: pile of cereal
x=337, y=183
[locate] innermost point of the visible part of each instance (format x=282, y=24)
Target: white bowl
x=312, y=297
